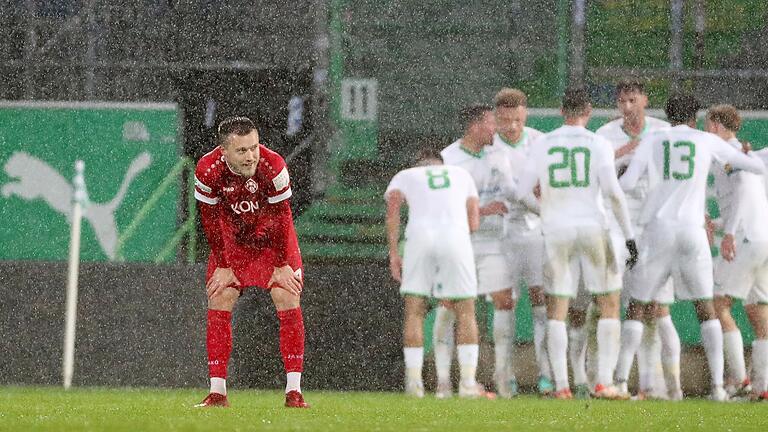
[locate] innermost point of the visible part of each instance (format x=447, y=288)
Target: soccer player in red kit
x=242, y=189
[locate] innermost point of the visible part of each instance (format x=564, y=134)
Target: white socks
x=670, y=352
x=219, y=385
x=712, y=340
x=443, y=342
x=577, y=354
x=540, y=340
x=414, y=360
x=504, y=339
x=631, y=335
x=733, y=349
x=293, y=381
x=557, y=345
x=468, y=355
x=608, y=343
x=649, y=360
x=760, y=365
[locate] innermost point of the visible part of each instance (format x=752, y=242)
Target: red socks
x=219, y=342
x=292, y=339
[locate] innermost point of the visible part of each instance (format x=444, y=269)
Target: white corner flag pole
x=80, y=198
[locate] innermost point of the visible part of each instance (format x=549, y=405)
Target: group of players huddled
x=586, y=221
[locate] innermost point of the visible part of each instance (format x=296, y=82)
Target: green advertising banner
x=128, y=149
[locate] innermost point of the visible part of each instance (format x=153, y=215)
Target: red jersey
x=247, y=221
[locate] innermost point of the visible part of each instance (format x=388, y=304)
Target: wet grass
x=102, y=409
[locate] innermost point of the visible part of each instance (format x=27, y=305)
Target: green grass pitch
x=102, y=409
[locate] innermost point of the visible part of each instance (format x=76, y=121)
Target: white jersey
x=614, y=132
x=677, y=161
x=573, y=166
x=747, y=212
x=519, y=217
x=436, y=196
x=490, y=170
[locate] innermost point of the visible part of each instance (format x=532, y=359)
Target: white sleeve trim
x=202, y=186
x=205, y=199
x=282, y=197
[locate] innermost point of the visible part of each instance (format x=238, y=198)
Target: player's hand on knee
x=221, y=278
x=285, y=278
x=396, y=266
x=633, y=254
x=728, y=247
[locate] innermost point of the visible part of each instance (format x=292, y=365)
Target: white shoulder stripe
x=282, y=197
x=205, y=199
x=201, y=185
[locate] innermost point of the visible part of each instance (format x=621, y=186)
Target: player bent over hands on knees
x=242, y=189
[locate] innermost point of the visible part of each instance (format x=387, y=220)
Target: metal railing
x=188, y=226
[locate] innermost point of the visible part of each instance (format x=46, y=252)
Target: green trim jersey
x=436, y=196
x=519, y=218
x=490, y=170
x=742, y=199
x=614, y=132
x=574, y=167
x=677, y=161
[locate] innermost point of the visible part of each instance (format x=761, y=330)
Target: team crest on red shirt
x=252, y=186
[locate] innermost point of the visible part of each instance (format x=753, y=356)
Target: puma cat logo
x=35, y=179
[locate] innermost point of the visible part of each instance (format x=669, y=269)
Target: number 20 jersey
x=569, y=163
x=677, y=161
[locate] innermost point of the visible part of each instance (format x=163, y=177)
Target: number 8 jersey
x=573, y=167
x=677, y=161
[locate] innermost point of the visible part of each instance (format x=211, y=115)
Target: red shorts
x=253, y=267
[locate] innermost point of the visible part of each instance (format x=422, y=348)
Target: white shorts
x=439, y=265
x=746, y=277
x=525, y=258
x=679, y=252
x=493, y=274
x=617, y=255
x=575, y=253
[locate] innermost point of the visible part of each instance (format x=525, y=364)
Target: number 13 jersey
x=677, y=161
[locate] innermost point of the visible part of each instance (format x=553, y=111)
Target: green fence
x=129, y=151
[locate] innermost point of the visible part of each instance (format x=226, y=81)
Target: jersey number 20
x=574, y=166
x=438, y=179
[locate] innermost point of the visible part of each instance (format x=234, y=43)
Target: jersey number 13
x=681, y=153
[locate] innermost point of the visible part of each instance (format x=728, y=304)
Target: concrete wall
x=144, y=325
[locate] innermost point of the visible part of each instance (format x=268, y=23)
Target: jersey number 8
x=438, y=179
x=572, y=160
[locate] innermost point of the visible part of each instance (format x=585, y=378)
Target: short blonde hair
x=726, y=115
x=510, y=98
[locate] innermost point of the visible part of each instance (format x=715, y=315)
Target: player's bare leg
x=291, y=343
x=608, y=345
x=733, y=349
x=443, y=340
x=670, y=349
x=712, y=340
x=413, y=344
x=539, y=311
x=467, y=349
x=577, y=352
x=557, y=344
x=758, y=317
x=219, y=344
x=504, y=342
